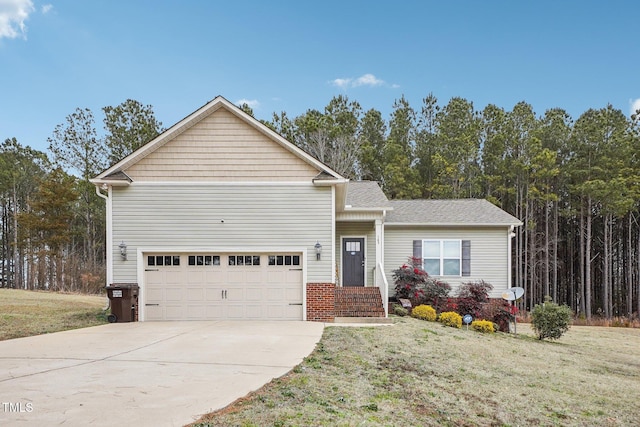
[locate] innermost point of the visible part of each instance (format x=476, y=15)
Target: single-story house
x=220, y=217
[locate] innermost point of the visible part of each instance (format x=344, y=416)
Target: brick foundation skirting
x=321, y=302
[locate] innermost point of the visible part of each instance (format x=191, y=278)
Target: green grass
x=27, y=313
x=419, y=373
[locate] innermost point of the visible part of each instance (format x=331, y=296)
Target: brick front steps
x=359, y=302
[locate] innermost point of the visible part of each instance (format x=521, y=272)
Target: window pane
x=192, y=260
x=200, y=260
x=280, y=260
x=431, y=249
x=296, y=260
x=247, y=260
x=451, y=249
x=239, y=260
x=216, y=260
x=287, y=260
x=272, y=260
x=207, y=260
x=151, y=260
x=232, y=260
x=451, y=267
x=256, y=260
x=159, y=260
x=176, y=260
x=432, y=266
x=167, y=260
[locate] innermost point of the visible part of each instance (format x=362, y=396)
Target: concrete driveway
x=145, y=373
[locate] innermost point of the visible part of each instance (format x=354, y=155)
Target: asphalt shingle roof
x=366, y=194
x=453, y=212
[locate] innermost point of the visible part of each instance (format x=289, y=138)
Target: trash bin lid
x=122, y=286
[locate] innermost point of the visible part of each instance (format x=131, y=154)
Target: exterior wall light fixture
x=123, y=250
x=318, y=248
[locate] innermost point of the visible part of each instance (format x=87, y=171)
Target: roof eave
x=454, y=224
x=110, y=182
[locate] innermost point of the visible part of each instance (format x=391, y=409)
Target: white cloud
x=367, y=80
x=342, y=83
x=634, y=105
x=13, y=14
x=46, y=8
x=253, y=103
x=364, y=80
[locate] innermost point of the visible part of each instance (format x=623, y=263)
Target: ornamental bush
x=399, y=310
x=451, y=318
x=413, y=283
x=472, y=296
x=424, y=312
x=550, y=320
x=484, y=326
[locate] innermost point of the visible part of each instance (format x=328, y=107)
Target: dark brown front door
x=353, y=261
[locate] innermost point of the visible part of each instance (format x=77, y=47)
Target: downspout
x=108, y=237
x=512, y=234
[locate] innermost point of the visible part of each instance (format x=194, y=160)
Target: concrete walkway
x=145, y=373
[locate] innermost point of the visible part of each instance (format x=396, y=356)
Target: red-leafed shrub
x=472, y=296
x=414, y=284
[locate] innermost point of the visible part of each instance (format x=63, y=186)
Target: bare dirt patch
x=420, y=373
x=27, y=313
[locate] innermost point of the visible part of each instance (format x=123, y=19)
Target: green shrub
x=550, y=320
x=451, y=318
x=399, y=310
x=484, y=326
x=424, y=312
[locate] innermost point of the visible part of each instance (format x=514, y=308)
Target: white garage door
x=222, y=286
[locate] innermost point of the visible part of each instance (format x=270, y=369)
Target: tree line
x=52, y=223
x=575, y=184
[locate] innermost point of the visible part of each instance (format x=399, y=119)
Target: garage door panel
x=173, y=276
x=254, y=293
x=235, y=277
x=236, y=312
x=221, y=286
x=234, y=293
x=214, y=275
x=215, y=312
x=174, y=312
x=276, y=277
x=173, y=293
x=213, y=294
x=292, y=295
x=274, y=294
x=293, y=276
x=195, y=277
x=154, y=313
x=195, y=311
x=195, y=294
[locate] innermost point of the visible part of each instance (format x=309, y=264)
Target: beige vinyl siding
x=221, y=147
x=258, y=218
x=489, y=257
x=358, y=229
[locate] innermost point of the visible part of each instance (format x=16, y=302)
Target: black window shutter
x=417, y=249
x=466, y=257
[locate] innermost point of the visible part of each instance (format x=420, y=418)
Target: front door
x=353, y=261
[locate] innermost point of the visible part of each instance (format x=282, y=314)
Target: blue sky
x=296, y=55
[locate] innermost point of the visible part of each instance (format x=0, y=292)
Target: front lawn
x=26, y=313
x=419, y=373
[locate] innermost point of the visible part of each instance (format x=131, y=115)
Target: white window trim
x=442, y=258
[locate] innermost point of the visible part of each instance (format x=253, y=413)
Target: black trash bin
x=122, y=299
